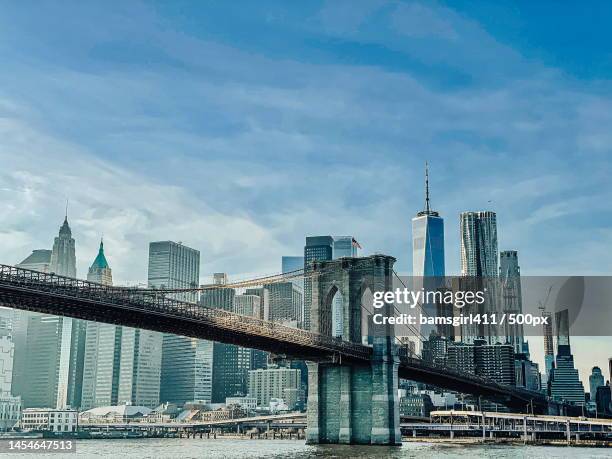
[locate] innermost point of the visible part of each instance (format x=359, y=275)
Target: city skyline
x=240, y=131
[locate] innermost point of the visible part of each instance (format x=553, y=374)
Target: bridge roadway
x=148, y=309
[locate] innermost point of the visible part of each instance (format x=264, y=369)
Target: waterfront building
x=49, y=420
x=596, y=380
x=10, y=411
x=102, y=348
x=7, y=353
x=114, y=414
x=248, y=404
x=415, y=404
x=270, y=383
x=564, y=382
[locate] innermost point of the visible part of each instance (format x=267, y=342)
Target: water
x=296, y=449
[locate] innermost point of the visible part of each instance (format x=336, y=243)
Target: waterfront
x=237, y=449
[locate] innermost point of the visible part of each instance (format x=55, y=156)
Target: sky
x=238, y=128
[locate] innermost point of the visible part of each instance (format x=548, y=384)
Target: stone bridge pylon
x=353, y=403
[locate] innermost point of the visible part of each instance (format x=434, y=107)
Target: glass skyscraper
x=316, y=248
x=186, y=371
x=428, y=267
x=564, y=382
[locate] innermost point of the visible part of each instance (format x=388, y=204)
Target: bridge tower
x=349, y=402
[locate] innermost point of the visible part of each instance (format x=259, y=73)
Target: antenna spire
x=66, y=214
x=426, y=187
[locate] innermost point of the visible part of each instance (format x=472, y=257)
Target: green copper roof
x=100, y=261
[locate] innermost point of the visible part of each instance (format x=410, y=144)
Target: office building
x=435, y=349
x=527, y=373
x=7, y=353
x=343, y=246
x=316, y=248
x=511, y=297
x=102, y=348
x=38, y=260
x=231, y=363
x=596, y=380
x=603, y=400
x=49, y=420
x=295, y=265
x=186, y=367
x=564, y=383
x=247, y=305
x=285, y=302
x=549, y=353
x=428, y=240
x=495, y=362
x=54, y=346
x=265, y=385
x=461, y=357
x=10, y=411
x=427, y=254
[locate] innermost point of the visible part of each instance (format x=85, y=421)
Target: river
x=296, y=449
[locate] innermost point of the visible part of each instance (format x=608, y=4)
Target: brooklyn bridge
x=352, y=387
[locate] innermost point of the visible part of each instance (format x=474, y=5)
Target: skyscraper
x=231, y=363
x=186, y=362
x=102, y=348
x=427, y=253
x=344, y=246
x=596, y=380
x=38, y=260
x=511, y=297
x=564, y=381
x=321, y=248
x=549, y=353
x=479, y=266
x=427, y=240
x=478, y=244
x=316, y=248
x=55, y=346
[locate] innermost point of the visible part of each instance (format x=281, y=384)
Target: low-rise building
x=112, y=414
x=10, y=411
x=249, y=404
x=49, y=420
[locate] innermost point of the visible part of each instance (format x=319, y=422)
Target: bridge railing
x=149, y=300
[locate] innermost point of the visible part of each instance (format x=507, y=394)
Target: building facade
x=186, y=362
x=271, y=383
x=102, y=348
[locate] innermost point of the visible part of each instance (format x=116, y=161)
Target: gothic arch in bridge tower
x=352, y=402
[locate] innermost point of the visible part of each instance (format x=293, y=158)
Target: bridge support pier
x=353, y=405
x=353, y=402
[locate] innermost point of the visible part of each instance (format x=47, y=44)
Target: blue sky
x=240, y=127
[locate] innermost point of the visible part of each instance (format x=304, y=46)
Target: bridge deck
x=148, y=309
